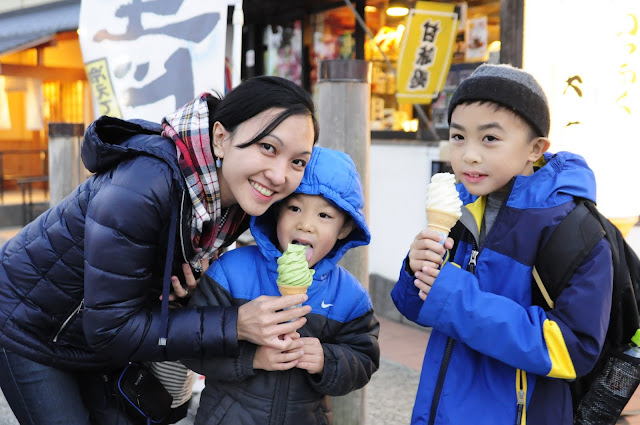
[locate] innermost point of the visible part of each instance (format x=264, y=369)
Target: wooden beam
x=511, y=31
x=45, y=73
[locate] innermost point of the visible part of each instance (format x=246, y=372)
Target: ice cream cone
x=441, y=221
x=292, y=290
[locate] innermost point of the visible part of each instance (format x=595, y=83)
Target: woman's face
x=268, y=170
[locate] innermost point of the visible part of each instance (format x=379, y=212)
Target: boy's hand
x=268, y=358
x=427, y=251
x=180, y=291
x=424, y=280
x=313, y=358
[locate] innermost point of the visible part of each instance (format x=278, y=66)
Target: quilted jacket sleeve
x=125, y=229
x=351, y=359
x=236, y=368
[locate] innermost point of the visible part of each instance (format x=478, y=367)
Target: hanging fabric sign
x=595, y=105
x=147, y=59
x=426, y=51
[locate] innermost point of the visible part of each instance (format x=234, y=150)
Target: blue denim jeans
x=44, y=395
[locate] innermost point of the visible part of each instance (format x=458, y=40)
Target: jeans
x=44, y=395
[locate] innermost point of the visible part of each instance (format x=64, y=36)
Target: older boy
x=337, y=351
x=493, y=357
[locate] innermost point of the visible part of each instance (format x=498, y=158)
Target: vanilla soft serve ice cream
x=443, y=204
x=442, y=194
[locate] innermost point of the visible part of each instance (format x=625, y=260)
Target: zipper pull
x=520, y=407
x=472, y=261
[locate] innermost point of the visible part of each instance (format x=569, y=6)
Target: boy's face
x=490, y=145
x=311, y=220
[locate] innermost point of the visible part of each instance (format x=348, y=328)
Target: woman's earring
x=218, y=163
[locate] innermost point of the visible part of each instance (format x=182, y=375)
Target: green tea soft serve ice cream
x=294, y=275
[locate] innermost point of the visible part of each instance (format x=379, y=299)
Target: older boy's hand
x=268, y=358
x=424, y=281
x=427, y=250
x=313, y=359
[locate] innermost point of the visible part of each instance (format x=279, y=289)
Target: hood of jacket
x=107, y=141
x=333, y=175
x=559, y=178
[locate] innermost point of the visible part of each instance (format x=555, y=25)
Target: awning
x=26, y=28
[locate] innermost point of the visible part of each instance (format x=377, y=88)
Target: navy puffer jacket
x=79, y=286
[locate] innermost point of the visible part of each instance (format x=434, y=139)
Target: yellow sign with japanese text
x=426, y=52
x=101, y=87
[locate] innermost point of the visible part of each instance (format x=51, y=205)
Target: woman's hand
x=264, y=320
x=180, y=291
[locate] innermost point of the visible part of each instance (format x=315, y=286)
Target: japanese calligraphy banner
x=426, y=51
x=145, y=59
x=590, y=71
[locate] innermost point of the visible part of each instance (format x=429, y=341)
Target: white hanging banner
x=590, y=72
x=145, y=59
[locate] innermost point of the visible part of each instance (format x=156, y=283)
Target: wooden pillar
x=66, y=170
x=511, y=31
x=344, y=96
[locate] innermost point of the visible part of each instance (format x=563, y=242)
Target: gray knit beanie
x=510, y=87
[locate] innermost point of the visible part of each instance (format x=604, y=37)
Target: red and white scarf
x=188, y=127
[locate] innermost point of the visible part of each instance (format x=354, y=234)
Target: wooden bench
x=4, y=176
x=26, y=184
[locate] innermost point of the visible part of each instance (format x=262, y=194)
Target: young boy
x=493, y=357
x=337, y=350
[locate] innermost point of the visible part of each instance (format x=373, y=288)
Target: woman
x=79, y=286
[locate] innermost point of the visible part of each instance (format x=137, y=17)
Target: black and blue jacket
x=492, y=352
x=341, y=317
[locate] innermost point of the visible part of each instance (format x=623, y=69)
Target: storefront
x=42, y=80
x=294, y=49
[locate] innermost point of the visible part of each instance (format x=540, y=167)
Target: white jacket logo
x=323, y=305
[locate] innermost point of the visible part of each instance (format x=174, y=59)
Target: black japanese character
x=96, y=74
x=194, y=29
x=105, y=109
x=420, y=78
x=177, y=81
x=431, y=30
x=426, y=55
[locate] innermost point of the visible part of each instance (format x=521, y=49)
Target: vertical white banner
x=590, y=71
x=145, y=59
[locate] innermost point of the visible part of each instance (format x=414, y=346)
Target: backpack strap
x=567, y=247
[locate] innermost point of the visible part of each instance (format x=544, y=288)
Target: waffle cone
x=441, y=221
x=292, y=290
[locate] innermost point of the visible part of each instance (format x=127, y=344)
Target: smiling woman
x=162, y=202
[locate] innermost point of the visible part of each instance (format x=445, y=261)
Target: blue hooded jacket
x=489, y=344
x=341, y=317
x=79, y=286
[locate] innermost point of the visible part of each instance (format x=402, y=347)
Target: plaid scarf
x=188, y=127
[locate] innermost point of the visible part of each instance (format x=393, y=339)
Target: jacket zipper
x=68, y=320
x=521, y=392
x=280, y=395
x=448, y=350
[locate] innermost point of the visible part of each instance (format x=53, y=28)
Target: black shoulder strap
x=569, y=244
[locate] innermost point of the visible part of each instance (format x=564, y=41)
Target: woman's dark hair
x=256, y=95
